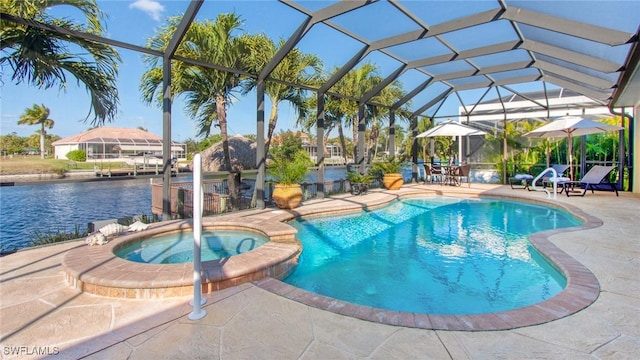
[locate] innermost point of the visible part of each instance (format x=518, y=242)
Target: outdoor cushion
x=558, y=179
x=523, y=177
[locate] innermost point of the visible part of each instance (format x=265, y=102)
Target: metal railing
x=216, y=195
x=217, y=199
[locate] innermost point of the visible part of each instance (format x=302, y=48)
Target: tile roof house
x=111, y=143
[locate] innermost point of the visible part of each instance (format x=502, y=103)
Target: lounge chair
x=521, y=181
x=524, y=181
x=594, y=178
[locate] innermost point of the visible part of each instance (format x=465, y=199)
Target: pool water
x=178, y=248
x=432, y=255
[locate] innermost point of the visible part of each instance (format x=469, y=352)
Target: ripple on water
x=52, y=207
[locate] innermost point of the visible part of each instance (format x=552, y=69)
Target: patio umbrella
x=570, y=126
x=451, y=128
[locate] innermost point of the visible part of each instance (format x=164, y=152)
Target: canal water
x=46, y=208
x=31, y=209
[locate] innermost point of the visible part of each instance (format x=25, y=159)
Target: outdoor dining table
x=449, y=171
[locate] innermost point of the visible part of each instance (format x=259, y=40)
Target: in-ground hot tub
x=99, y=270
x=177, y=247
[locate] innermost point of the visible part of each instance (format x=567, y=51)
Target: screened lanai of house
x=112, y=144
x=445, y=55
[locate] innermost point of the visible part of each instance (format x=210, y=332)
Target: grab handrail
x=555, y=183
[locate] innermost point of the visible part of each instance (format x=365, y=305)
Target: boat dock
x=126, y=172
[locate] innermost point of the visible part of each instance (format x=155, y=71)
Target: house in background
x=110, y=144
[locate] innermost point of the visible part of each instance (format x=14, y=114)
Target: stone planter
x=392, y=181
x=287, y=196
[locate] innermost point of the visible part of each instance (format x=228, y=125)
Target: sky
x=134, y=21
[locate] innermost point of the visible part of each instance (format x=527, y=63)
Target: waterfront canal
x=45, y=208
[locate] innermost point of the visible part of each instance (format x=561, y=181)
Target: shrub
x=77, y=155
x=54, y=236
x=290, y=163
x=128, y=220
x=51, y=237
x=289, y=171
x=59, y=171
x=356, y=178
x=389, y=166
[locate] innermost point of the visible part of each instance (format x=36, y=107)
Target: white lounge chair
x=593, y=179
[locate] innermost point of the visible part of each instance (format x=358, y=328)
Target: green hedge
x=77, y=155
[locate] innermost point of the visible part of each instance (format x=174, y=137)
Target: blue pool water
x=178, y=248
x=432, y=255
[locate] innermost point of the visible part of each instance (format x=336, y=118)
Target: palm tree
x=334, y=116
x=37, y=115
x=295, y=68
x=354, y=84
x=388, y=96
x=208, y=92
x=41, y=58
x=424, y=124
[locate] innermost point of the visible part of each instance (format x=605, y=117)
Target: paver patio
x=41, y=313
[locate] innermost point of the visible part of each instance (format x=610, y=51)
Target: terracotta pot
x=287, y=196
x=392, y=181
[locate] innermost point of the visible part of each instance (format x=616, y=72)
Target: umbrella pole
x=570, y=143
x=504, y=158
x=548, y=154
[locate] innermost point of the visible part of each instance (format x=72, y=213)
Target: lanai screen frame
x=584, y=83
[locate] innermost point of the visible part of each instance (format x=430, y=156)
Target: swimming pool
x=432, y=255
x=177, y=248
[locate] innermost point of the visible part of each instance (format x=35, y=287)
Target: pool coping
x=97, y=270
x=582, y=287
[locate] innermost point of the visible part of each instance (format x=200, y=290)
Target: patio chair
x=594, y=179
x=461, y=172
x=432, y=173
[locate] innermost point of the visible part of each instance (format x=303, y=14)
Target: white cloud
x=151, y=7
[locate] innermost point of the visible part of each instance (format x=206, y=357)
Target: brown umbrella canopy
x=243, y=155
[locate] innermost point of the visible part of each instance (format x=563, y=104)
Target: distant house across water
x=108, y=144
x=332, y=153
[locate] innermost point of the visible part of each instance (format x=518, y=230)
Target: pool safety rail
x=555, y=183
x=198, y=300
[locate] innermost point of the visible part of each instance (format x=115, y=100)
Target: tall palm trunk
x=42, y=139
x=372, y=142
x=231, y=180
x=343, y=143
x=271, y=128
x=354, y=128
x=273, y=120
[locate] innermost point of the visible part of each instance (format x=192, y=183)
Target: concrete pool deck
x=40, y=312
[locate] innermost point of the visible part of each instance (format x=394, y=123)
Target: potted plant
x=390, y=172
x=359, y=182
x=288, y=167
